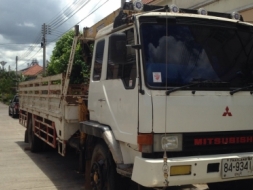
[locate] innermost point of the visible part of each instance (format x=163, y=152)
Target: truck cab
x=171, y=95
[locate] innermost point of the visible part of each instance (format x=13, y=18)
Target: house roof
x=33, y=70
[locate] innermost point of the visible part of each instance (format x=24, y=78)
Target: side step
x=125, y=170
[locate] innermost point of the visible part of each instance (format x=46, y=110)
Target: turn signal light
x=145, y=142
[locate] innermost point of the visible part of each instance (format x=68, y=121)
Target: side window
x=122, y=58
x=97, y=70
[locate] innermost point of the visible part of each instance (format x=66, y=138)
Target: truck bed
x=43, y=100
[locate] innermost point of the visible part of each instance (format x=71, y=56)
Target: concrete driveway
x=21, y=170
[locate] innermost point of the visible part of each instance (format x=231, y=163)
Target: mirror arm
x=136, y=46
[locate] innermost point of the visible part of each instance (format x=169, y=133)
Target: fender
x=103, y=131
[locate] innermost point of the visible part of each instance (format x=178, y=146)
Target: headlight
x=168, y=142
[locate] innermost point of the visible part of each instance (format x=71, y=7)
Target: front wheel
x=103, y=170
x=246, y=184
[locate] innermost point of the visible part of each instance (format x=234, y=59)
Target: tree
x=60, y=57
x=7, y=85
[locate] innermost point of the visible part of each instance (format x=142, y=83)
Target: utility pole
x=16, y=65
x=45, y=30
x=16, y=73
x=3, y=63
x=122, y=3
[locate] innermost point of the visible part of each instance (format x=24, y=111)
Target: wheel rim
x=98, y=175
x=99, y=172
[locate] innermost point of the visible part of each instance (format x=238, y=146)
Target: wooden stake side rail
x=51, y=89
x=44, y=96
x=45, y=130
x=51, y=85
x=23, y=118
x=38, y=81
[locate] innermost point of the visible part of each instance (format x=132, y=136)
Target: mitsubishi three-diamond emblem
x=227, y=112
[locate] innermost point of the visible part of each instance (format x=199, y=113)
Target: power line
x=58, y=21
x=63, y=13
x=31, y=48
x=60, y=13
x=56, y=25
x=6, y=44
x=94, y=10
x=32, y=57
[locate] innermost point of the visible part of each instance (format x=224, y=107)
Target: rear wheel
x=26, y=136
x=34, y=142
x=236, y=185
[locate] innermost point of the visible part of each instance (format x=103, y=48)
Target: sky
x=21, y=23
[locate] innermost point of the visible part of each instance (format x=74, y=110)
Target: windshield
x=178, y=54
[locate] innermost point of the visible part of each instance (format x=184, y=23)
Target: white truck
x=169, y=101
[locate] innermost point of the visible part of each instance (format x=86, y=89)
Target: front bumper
x=149, y=172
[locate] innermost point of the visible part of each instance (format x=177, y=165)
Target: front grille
x=209, y=143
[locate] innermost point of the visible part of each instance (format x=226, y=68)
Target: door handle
x=101, y=100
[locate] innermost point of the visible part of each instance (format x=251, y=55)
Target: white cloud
x=3, y=40
x=26, y=24
x=23, y=23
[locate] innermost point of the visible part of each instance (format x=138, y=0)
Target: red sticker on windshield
x=157, y=77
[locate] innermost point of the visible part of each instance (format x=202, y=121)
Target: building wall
x=244, y=7
x=248, y=15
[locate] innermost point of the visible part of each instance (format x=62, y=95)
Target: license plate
x=236, y=167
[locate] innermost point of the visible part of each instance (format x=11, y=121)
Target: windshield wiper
x=239, y=89
x=194, y=83
x=184, y=87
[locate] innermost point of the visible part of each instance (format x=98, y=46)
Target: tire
x=103, y=169
x=9, y=112
x=34, y=142
x=26, y=140
x=232, y=185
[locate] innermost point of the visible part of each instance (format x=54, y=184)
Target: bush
x=6, y=98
